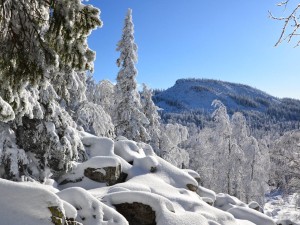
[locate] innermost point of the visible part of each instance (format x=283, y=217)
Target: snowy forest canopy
x=48, y=100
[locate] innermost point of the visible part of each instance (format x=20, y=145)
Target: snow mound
x=283, y=208
x=90, y=211
x=206, y=193
x=128, y=150
x=226, y=202
x=26, y=203
x=163, y=208
x=252, y=215
x=97, y=146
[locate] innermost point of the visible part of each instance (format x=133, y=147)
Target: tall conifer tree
x=129, y=118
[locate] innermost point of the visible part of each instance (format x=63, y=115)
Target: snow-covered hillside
x=193, y=94
x=122, y=182
x=190, y=99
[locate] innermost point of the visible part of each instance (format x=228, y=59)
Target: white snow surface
x=252, y=215
x=283, y=209
x=128, y=150
x=6, y=111
x=206, y=193
x=26, y=203
x=89, y=209
x=151, y=181
x=97, y=146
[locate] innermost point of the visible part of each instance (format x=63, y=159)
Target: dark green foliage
x=244, y=101
x=288, y=109
x=263, y=102
x=174, y=103
x=68, y=32
x=200, y=88
x=41, y=40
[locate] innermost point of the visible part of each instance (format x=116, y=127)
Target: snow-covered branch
x=290, y=29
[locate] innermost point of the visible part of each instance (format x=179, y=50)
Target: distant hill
x=196, y=95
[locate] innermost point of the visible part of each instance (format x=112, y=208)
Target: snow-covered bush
x=94, y=119
x=101, y=93
x=172, y=135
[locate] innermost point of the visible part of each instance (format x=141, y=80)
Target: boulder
x=254, y=205
x=208, y=200
x=109, y=175
x=137, y=213
x=57, y=216
x=192, y=187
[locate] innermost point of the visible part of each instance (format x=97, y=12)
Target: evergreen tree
x=150, y=111
x=40, y=42
x=43, y=60
x=129, y=119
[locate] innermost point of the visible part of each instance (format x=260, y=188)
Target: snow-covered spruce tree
x=129, y=119
x=150, y=111
x=43, y=59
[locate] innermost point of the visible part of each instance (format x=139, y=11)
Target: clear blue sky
x=229, y=40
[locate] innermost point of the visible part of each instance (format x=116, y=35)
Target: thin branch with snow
x=291, y=20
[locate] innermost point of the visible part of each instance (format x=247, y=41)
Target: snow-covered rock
x=128, y=150
x=206, y=193
x=96, y=172
x=97, y=146
x=226, y=202
x=28, y=203
x=256, y=206
x=252, y=215
x=90, y=211
x=155, y=192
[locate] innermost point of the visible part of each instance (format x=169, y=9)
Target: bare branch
x=291, y=24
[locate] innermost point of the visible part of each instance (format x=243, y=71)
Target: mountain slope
x=196, y=95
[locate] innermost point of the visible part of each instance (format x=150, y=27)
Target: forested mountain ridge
x=194, y=96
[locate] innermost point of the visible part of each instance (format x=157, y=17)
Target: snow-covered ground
x=285, y=209
x=93, y=193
